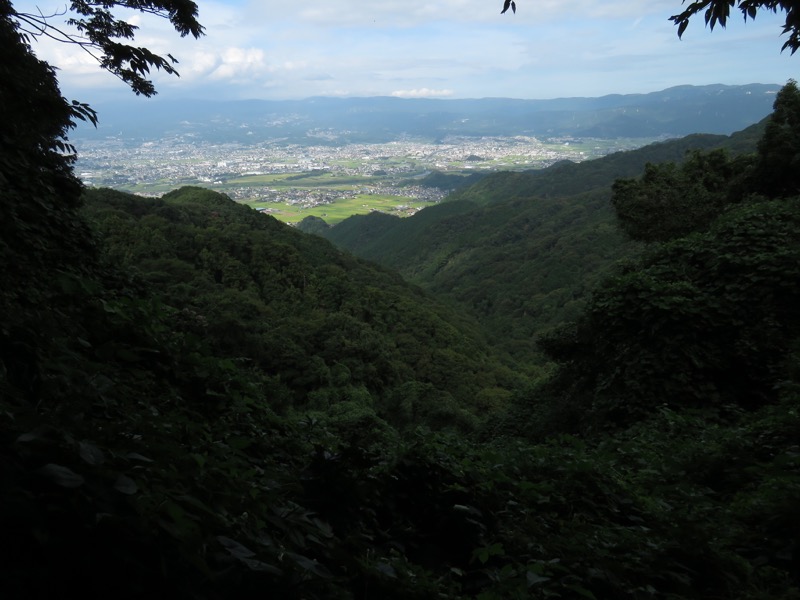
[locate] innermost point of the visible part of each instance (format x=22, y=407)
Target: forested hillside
x=521, y=250
x=323, y=328
x=197, y=401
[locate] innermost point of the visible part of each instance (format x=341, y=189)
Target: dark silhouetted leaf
x=310, y=565
x=126, y=485
x=60, y=475
x=91, y=454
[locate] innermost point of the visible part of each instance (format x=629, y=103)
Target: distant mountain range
x=674, y=112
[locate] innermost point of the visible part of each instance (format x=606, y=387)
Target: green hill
x=326, y=327
x=198, y=402
x=521, y=251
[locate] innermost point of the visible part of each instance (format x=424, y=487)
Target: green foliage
x=45, y=248
x=776, y=170
x=38, y=185
x=671, y=201
x=197, y=401
x=313, y=224
x=320, y=323
x=704, y=320
x=522, y=251
x=566, y=178
x=519, y=266
x=449, y=181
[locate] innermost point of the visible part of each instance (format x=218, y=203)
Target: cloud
x=320, y=77
x=238, y=62
x=458, y=48
x=422, y=93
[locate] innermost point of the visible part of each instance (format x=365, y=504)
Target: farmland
x=293, y=181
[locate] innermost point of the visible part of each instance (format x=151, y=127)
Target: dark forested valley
x=578, y=382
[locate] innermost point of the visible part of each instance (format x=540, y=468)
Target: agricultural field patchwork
x=332, y=182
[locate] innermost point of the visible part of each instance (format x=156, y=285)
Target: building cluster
x=184, y=161
x=251, y=171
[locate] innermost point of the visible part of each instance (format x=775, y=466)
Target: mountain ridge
x=676, y=111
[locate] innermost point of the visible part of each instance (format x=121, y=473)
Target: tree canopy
x=199, y=402
x=777, y=171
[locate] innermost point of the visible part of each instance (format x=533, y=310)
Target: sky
x=270, y=49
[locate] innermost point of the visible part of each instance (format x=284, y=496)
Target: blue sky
x=445, y=48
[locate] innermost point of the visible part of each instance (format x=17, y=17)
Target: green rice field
x=342, y=209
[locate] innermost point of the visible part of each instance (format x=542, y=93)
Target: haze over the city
x=267, y=49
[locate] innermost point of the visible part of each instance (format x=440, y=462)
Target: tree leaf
x=60, y=475
x=308, y=564
x=126, y=485
x=91, y=454
x=467, y=509
x=257, y=565
x=28, y=437
x=236, y=549
x=534, y=579
x=137, y=456
x=581, y=591
x=387, y=570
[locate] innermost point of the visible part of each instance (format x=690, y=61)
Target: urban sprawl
x=312, y=175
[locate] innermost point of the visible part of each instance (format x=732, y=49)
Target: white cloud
x=422, y=93
x=422, y=48
x=238, y=62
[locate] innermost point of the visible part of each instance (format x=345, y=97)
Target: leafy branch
x=719, y=11
x=99, y=33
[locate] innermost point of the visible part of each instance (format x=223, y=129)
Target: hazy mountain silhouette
x=672, y=112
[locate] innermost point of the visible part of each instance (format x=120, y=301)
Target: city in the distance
x=332, y=157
